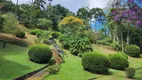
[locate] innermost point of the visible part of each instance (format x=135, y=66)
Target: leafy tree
x=83, y=13
x=8, y=6
x=2, y=1
x=71, y=25
x=44, y=24
x=60, y=11
x=39, y=3
x=55, y=13
x=96, y=12
x=29, y=15
x=10, y=24
x=91, y=35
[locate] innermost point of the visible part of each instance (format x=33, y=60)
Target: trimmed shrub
x=116, y=46
x=53, y=69
x=39, y=34
x=132, y=50
x=40, y=53
x=62, y=38
x=95, y=62
x=125, y=55
x=118, y=61
x=20, y=34
x=65, y=45
x=105, y=41
x=101, y=42
x=65, y=41
x=35, y=31
x=47, y=42
x=56, y=34
x=130, y=72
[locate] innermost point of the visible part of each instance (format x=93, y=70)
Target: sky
x=74, y=5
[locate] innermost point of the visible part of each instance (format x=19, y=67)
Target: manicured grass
x=71, y=70
x=103, y=49
x=117, y=74
x=14, y=62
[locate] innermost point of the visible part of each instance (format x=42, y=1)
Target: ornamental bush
x=20, y=34
x=105, y=41
x=47, y=42
x=54, y=69
x=116, y=46
x=130, y=72
x=65, y=41
x=35, y=31
x=118, y=61
x=80, y=45
x=65, y=44
x=95, y=62
x=62, y=38
x=40, y=53
x=125, y=55
x=56, y=34
x=132, y=50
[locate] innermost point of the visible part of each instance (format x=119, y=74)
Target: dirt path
x=57, y=57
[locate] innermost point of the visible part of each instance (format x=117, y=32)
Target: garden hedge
x=95, y=62
x=118, y=61
x=40, y=53
x=132, y=50
x=130, y=72
x=35, y=31
x=56, y=34
x=20, y=34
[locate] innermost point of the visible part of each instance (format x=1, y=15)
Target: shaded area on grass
x=8, y=38
x=14, y=62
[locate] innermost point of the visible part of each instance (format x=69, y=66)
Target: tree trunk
x=4, y=44
x=128, y=33
x=117, y=39
x=114, y=38
x=122, y=42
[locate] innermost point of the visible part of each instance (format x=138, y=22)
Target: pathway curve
x=43, y=73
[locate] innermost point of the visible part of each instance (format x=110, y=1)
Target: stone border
x=30, y=74
x=56, y=54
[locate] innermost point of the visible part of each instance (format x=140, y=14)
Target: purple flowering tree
x=130, y=14
x=122, y=17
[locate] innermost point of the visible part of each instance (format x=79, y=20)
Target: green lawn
x=72, y=68
x=14, y=62
x=117, y=74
